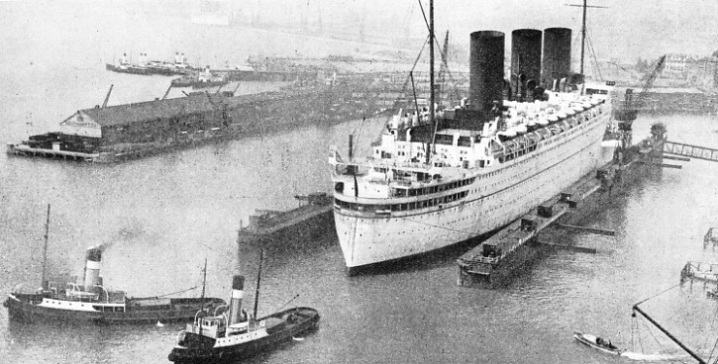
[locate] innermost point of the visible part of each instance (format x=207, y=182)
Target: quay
x=312, y=220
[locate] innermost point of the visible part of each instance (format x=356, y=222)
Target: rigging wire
x=653, y=335
x=595, y=60
x=174, y=293
x=658, y=294
x=716, y=343
x=435, y=42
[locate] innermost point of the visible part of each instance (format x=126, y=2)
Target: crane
x=627, y=114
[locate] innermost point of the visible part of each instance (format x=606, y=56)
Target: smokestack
x=525, y=59
x=486, y=64
x=556, y=54
x=92, y=268
x=235, y=305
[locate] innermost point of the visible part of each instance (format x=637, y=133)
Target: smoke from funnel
x=93, y=257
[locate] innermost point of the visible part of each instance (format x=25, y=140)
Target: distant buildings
x=676, y=66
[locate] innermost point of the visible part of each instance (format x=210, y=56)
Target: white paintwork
x=241, y=338
x=74, y=305
x=500, y=193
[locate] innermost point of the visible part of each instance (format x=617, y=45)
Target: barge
x=310, y=221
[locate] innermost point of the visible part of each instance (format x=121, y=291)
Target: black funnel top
x=487, y=69
x=238, y=283
x=556, y=54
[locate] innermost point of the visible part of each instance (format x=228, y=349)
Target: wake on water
x=652, y=357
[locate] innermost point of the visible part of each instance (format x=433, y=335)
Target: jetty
x=107, y=134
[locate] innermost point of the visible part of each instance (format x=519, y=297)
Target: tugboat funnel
x=235, y=307
x=92, y=268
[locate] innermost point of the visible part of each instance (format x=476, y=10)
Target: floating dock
x=493, y=261
x=310, y=221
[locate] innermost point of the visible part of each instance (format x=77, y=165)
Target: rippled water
x=164, y=215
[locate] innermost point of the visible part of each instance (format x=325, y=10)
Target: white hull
x=497, y=197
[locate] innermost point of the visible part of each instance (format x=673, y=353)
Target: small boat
x=91, y=302
x=235, y=335
x=597, y=343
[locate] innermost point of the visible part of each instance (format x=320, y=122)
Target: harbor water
x=163, y=216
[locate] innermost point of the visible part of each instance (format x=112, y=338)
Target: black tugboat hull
x=29, y=311
x=244, y=350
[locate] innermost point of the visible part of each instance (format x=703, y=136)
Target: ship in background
x=152, y=67
x=441, y=176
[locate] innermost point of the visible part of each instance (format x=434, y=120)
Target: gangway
x=689, y=150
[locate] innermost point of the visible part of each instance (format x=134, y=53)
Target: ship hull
x=26, y=310
x=244, y=350
x=491, y=202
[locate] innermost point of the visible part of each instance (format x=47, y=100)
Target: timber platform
x=312, y=220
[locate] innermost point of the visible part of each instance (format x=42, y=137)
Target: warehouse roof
x=199, y=103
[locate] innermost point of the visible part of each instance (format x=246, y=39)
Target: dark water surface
x=162, y=216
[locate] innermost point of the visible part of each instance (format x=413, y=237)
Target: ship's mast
x=204, y=284
x=43, y=283
x=259, y=277
x=583, y=35
x=431, y=76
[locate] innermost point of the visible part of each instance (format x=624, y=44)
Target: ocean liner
x=489, y=161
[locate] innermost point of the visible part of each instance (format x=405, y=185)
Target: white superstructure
x=480, y=178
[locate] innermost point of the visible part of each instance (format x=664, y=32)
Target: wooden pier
x=27, y=151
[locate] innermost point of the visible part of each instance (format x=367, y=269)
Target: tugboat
x=236, y=335
x=91, y=302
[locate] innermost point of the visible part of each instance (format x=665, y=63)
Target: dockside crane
x=629, y=110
